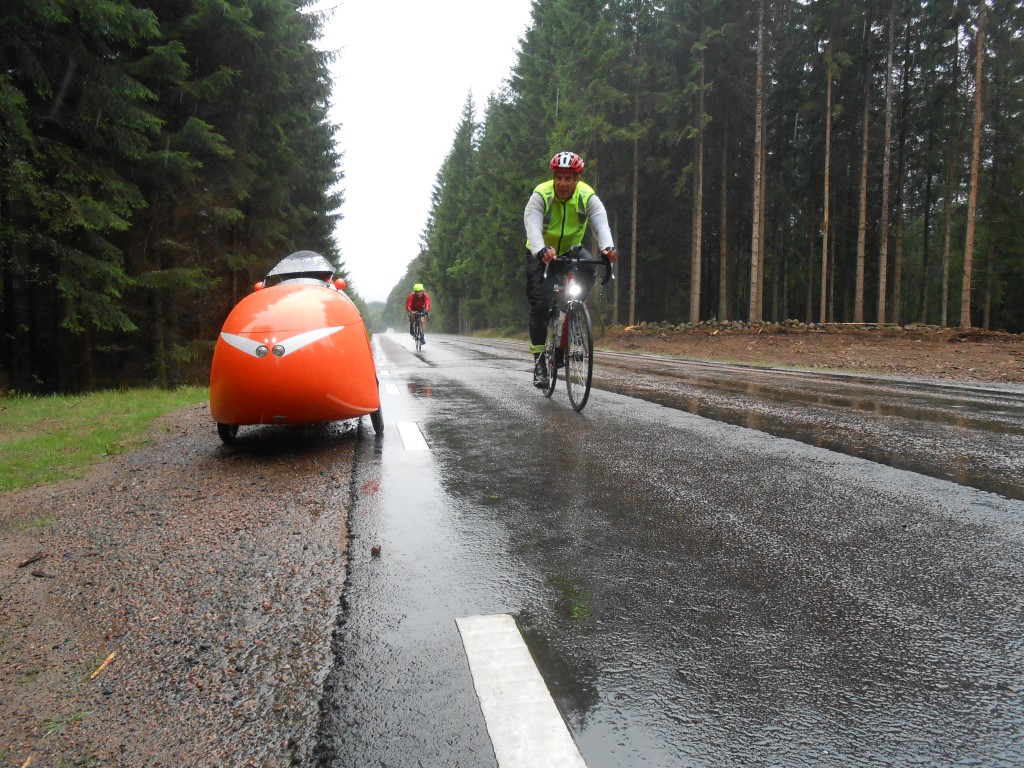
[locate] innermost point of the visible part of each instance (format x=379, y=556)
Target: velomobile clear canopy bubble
x=302, y=262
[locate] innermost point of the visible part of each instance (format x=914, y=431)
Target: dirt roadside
x=215, y=575
x=925, y=352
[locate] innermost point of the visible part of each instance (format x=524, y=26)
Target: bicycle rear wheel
x=579, y=355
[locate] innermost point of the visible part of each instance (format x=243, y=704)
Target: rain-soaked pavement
x=776, y=569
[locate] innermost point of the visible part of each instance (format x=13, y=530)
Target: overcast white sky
x=400, y=82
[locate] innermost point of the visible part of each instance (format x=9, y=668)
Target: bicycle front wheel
x=579, y=355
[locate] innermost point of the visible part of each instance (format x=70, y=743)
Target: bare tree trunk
x=990, y=278
x=831, y=317
x=990, y=248
x=697, y=230
x=901, y=153
x=828, y=163
x=883, y=255
x=947, y=209
x=633, y=219
x=925, y=251
x=809, y=306
x=723, y=239
x=862, y=220
x=972, y=199
x=947, y=237
x=773, y=316
x=764, y=217
x=785, y=280
x=755, y=254
x=897, y=267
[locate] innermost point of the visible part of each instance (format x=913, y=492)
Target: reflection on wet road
x=694, y=592
x=971, y=434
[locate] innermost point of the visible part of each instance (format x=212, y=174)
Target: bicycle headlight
x=574, y=290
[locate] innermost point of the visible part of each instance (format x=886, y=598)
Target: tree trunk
x=723, y=239
x=7, y=310
x=697, y=230
x=947, y=229
x=831, y=316
x=785, y=315
x=990, y=248
x=828, y=162
x=773, y=315
x=947, y=207
x=764, y=218
x=897, y=267
x=862, y=219
x=755, y=254
x=972, y=198
x=897, y=272
x=809, y=306
x=633, y=217
x=883, y=254
x=925, y=251
x=990, y=278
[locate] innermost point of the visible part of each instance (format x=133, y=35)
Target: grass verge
x=46, y=439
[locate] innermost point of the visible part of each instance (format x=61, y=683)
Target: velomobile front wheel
x=377, y=420
x=227, y=432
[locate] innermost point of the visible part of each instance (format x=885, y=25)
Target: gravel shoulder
x=923, y=352
x=213, y=575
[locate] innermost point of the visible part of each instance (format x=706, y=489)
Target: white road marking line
x=391, y=389
x=412, y=437
x=524, y=724
x=385, y=373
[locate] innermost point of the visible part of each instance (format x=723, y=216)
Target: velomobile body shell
x=294, y=353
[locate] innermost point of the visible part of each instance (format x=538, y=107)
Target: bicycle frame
x=570, y=343
x=419, y=315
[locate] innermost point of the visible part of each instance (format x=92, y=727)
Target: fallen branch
x=35, y=558
x=103, y=666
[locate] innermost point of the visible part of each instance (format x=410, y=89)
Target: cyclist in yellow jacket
x=556, y=219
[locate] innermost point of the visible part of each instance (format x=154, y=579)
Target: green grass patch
x=34, y=523
x=58, y=724
x=46, y=439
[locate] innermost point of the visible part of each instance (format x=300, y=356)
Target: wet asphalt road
x=697, y=590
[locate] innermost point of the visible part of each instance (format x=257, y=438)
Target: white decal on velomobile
x=292, y=344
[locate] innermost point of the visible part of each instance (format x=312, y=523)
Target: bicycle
x=570, y=343
x=417, y=328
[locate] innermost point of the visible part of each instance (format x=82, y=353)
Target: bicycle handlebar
x=573, y=256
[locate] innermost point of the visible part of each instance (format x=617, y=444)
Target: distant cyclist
x=556, y=219
x=418, y=301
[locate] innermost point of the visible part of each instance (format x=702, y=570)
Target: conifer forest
x=760, y=160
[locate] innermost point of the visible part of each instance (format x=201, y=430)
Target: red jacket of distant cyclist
x=418, y=301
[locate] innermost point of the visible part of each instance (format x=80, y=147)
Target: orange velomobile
x=294, y=352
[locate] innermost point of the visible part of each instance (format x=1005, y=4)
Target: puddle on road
x=972, y=438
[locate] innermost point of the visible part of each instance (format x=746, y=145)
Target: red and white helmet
x=567, y=161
